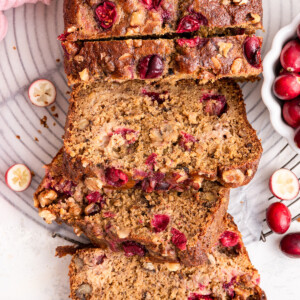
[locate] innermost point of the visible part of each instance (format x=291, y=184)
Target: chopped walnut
x=236, y=65
x=47, y=216
x=173, y=267
x=216, y=62
x=83, y=123
x=83, y=290
x=168, y=133
x=138, y=18
x=123, y=233
x=71, y=29
x=255, y=18
x=224, y=48
x=84, y=75
x=233, y=176
x=93, y=184
x=47, y=197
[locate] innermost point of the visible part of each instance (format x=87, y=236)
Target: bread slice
x=167, y=226
x=205, y=59
x=102, y=274
x=95, y=19
x=160, y=137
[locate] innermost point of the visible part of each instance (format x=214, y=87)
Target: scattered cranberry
x=278, y=217
x=214, y=104
x=151, y=160
x=133, y=248
x=229, y=239
x=178, y=239
x=287, y=86
x=152, y=3
x=186, y=140
x=94, y=197
x=291, y=112
x=290, y=56
x=158, y=97
x=115, y=177
x=252, y=51
x=191, y=23
x=151, y=66
x=160, y=222
x=290, y=245
x=297, y=137
x=106, y=13
x=195, y=296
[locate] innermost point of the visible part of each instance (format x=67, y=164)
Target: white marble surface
x=28, y=268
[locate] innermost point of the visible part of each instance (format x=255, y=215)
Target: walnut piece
x=173, y=267
x=83, y=290
x=216, y=62
x=93, y=184
x=233, y=176
x=137, y=18
x=236, y=65
x=47, y=216
x=47, y=197
x=84, y=75
x=255, y=18
x=224, y=48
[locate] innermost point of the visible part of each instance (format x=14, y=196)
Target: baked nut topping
x=233, y=176
x=47, y=197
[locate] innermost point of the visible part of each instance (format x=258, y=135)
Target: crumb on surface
x=55, y=115
x=44, y=122
x=14, y=48
x=54, y=124
x=32, y=173
x=57, y=60
x=298, y=220
x=53, y=108
x=39, y=131
x=36, y=139
x=18, y=137
x=68, y=92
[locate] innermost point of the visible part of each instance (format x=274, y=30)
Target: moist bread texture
x=102, y=274
x=160, y=137
x=147, y=223
x=97, y=19
x=205, y=59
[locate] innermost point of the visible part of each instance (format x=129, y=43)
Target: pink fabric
x=7, y=4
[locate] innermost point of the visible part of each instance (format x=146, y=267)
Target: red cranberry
x=108, y=214
x=191, y=23
x=151, y=66
x=64, y=186
x=151, y=160
x=178, y=239
x=156, y=96
x=291, y=112
x=297, y=137
x=133, y=248
x=152, y=3
x=94, y=197
x=115, y=177
x=192, y=43
x=287, y=86
x=252, y=51
x=160, y=222
x=124, y=132
x=290, y=56
x=186, y=140
x=195, y=296
x=214, y=104
x=229, y=239
x=229, y=287
x=278, y=217
x=100, y=259
x=63, y=37
x=106, y=13
x=290, y=245
x=298, y=31
x=153, y=182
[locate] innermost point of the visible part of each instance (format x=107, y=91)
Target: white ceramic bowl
x=270, y=65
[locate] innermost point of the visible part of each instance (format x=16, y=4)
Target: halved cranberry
x=106, y=13
x=100, y=259
x=108, y=214
x=156, y=96
x=192, y=43
x=152, y=3
x=195, y=296
x=252, y=51
x=229, y=239
x=214, y=104
x=229, y=287
x=178, y=239
x=186, y=140
x=115, y=177
x=94, y=197
x=151, y=66
x=160, y=222
x=149, y=184
x=63, y=37
x=124, y=132
x=191, y=23
x=151, y=160
x=132, y=248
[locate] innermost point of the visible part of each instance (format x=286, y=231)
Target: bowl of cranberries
x=281, y=87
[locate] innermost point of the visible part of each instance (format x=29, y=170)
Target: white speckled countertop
x=28, y=268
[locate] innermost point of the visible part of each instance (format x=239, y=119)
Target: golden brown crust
x=199, y=58
x=95, y=274
x=134, y=18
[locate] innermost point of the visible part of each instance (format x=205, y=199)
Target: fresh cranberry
x=229, y=239
x=178, y=239
x=108, y=214
x=298, y=31
x=124, y=132
x=195, y=296
x=287, y=86
x=278, y=217
x=115, y=177
x=152, y=3
x=158, y=97
x=151, y=66
x=106, y=13
x=214, y=104
x=291, y=112
x=150, y=184
x=100, y=259
x=63, y=37
x=290, y=56
x=133, y=248
x=191, y=23
x=252, y=51
x=229, y=287
x=297, y=137
x=290, y=245
x=151, y=160
x=94, y=197
x=186, y=140
x=192, y=43
x=160, y=222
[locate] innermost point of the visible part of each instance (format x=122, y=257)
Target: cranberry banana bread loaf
x=205, y=59
x=167, y=226
x=101, y=274
x=160, y=137
x=98, y=19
